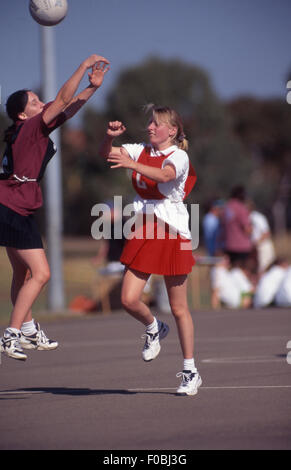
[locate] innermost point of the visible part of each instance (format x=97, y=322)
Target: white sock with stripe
x=153, y=327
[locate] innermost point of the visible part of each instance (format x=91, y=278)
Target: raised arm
x=114, y=129
x=66, y=94
x=95, y=78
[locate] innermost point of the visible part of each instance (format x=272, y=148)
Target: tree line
x=243, y=141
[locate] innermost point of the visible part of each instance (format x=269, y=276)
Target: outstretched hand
x=121, y=159
x=99, y=69
x=93, y=59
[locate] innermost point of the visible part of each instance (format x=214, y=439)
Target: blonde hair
x=171, y=117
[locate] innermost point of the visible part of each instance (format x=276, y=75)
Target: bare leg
x=20, y=275
x=25, y=288
x=132, y=288
x=177, y=291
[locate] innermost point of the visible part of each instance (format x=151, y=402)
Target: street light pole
x=53, y=180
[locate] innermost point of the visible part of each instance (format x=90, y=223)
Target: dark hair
x=15, y=104
x=238, y=192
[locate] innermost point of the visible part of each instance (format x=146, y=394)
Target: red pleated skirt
x=154, y=249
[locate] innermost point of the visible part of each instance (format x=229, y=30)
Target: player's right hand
x=115, y=128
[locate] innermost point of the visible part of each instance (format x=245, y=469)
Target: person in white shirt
x=224, y=289
x=283, y=295
x=269, y=284
x=244, y=286
x=262, y=238
x=162, y=177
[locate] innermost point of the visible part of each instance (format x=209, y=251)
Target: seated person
x=283, y=295
x=224, y=289
x=269, y=284
x=244, y=285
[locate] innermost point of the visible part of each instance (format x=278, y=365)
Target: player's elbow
x=167, y=176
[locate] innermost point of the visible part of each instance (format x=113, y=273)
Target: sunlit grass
x=80, y=276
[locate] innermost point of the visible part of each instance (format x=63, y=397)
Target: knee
x=42, y=276
x=129, y=301
x=179, y=310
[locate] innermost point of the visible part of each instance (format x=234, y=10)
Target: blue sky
x=244, y=45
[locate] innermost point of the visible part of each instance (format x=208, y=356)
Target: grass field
x=80, y=277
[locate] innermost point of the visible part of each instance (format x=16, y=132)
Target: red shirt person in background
x=237, y=228
x=28, y=151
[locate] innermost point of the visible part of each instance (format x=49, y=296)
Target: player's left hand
x=96, y=77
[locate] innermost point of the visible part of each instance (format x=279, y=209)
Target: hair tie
x=181, y=137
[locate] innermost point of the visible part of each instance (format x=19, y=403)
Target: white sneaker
x=38, y=340
x=152, y=345
x=191, y=381
x=9, y=345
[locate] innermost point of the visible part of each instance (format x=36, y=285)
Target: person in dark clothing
x=28, y=151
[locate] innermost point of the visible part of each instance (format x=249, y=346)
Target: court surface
x=95, y=391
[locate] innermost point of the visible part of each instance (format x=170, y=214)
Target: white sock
x=28, y=328
x=189, y=364
x=12, y=330
x=153, y=327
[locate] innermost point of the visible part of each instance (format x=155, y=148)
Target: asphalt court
x=95, y=392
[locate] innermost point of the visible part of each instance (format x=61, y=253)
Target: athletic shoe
x=10, y=345
x=152, y=345
x=191, y=381
x=38, y=340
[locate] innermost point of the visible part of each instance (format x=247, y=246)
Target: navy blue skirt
x=18, y=231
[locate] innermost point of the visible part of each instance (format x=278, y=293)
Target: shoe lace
x=42, y=336
x=186, y=377
x=149, y=338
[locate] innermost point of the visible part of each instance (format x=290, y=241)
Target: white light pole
x=53, y=180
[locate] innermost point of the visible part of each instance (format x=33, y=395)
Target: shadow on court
x=81, y=391
x=95, y=392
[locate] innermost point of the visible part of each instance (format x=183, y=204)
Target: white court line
x=243, y=360
x=231, y=387
x=21, y=392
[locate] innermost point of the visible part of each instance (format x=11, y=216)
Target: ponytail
x=8, y=133
x=182, y=142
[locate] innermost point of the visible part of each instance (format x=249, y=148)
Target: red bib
x=148, y=188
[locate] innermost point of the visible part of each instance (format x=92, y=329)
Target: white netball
x=48, y=12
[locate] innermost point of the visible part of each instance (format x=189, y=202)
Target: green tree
x=263, y=127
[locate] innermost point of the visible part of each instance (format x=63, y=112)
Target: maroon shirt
x=235, y=222
x=28, y=153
